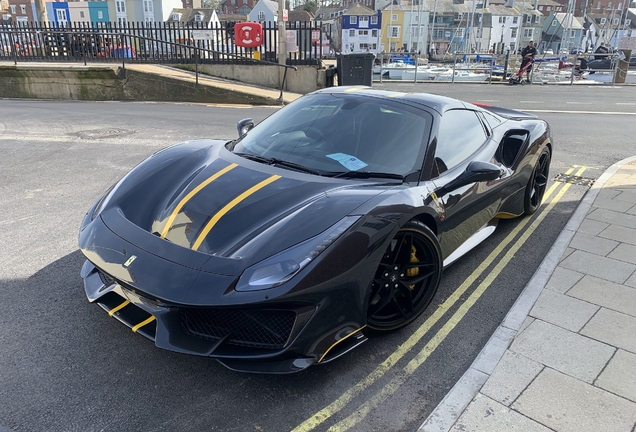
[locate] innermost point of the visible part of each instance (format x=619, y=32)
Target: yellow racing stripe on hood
x=229, y=206
x=189, y=196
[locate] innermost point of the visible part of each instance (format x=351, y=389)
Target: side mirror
x=244, y=126
x=475, y=172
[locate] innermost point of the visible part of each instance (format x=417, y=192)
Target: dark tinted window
x=343, y=132
x=460, y=135
x=492, y=120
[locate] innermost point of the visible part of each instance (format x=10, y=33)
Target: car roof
x=436, y=102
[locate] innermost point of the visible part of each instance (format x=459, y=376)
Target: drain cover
x=573, y=179
x=102, y=133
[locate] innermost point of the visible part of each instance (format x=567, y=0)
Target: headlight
x=102, y=201
x=279, y=268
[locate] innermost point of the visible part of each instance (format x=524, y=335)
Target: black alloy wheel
x=537, y=183
x=406, y=279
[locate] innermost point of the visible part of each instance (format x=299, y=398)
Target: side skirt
x=481, y=235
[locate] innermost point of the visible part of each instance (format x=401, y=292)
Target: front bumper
x=150, y=294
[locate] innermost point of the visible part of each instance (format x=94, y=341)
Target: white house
x=264, y=11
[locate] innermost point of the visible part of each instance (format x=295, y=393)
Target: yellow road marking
x=143, y=323
x=387, y=364
x=189, y=196
x=114, y=310
x=439, y=337
x=229, y=207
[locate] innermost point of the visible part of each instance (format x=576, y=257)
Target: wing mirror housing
x=244, y=126
x=476, y=171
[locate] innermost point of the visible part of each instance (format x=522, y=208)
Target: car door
x=462, y=138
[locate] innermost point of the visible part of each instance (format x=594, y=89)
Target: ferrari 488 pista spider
x=333, y=216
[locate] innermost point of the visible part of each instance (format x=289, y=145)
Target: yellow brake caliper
x=414, y=271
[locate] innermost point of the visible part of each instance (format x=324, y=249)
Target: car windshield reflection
x=334, y=135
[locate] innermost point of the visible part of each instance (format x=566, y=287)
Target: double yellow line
x=360, y=413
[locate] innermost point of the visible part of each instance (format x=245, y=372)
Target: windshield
x=335, y=134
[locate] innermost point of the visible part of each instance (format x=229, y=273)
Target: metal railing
x=162, y=43
x=124, y=51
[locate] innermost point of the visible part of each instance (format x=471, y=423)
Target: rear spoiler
x=506, y=112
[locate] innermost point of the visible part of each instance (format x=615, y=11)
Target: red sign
x=315, y=35
x=248, y=34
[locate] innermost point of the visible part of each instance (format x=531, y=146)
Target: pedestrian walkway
x=564, y=359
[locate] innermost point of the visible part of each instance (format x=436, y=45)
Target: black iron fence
x=154, y=43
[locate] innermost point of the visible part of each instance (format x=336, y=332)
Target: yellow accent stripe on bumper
x=143, y=323
x=229, y=206
x=340, y=340
x=191, y=194
x=114, y=310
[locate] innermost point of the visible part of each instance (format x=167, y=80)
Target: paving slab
x=605, y=293
x=608, y=193
x=624, y=252
x=632, y=210
x=512, y=375
x=619, y=233
x=619, y=377
x=484, y=414
x=565, y=311
x=566, y=404
x=563, y=279
x=563, y=350
x=612, y=217
x=601, y=267
x=592, y=227
x=593, y=244
x=631, y=282
x=626, y=196
x=613, y=328
x=614, y=204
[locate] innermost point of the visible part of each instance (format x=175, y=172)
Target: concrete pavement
x=564, y=358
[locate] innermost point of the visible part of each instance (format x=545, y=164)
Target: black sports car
x=333, y=216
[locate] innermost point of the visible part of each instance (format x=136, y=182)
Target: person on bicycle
x=528, y=54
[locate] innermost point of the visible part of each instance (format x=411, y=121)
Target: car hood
x=199, y=205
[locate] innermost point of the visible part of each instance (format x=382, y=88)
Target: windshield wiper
x=365, y=175
x=293, y=165
x=275, y=161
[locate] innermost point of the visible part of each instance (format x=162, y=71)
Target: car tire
x=537, y=183
x=406, y=279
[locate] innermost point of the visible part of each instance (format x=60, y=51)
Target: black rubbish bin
x=355, y=69
x=330, y=74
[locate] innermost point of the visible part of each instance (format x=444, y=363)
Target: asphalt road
x=66, y=366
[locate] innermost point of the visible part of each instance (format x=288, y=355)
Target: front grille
x=107, y=279
x=267, y=328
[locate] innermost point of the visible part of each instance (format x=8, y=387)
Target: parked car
x=334, y=216
x=608, y=63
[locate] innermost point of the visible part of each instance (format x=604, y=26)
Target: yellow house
x=393, y=31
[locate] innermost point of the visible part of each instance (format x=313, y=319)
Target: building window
x=628, y=22
x=23, y=9
x=353, y=20
x=394, y=17
x=121, y=6
x=615, y=21
x=148, y=6
x=515, y=20
x=513, y=32
x=364, y=19
x=541, y=7
x=364, y=46
x=501, y=20
x=394, y=31
x=12, y=9
x=261, y=16
x=603, y=21
x=374, y=20
x=363, y=32
x=100, y=15
x=82, y=14
x=122, y=21
x=554, y=23
x=527, y=33
x=198, y=18
x=547, y=8
x=61, y=15
x=572, y=33
x=374, y=33
x=352, y=33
